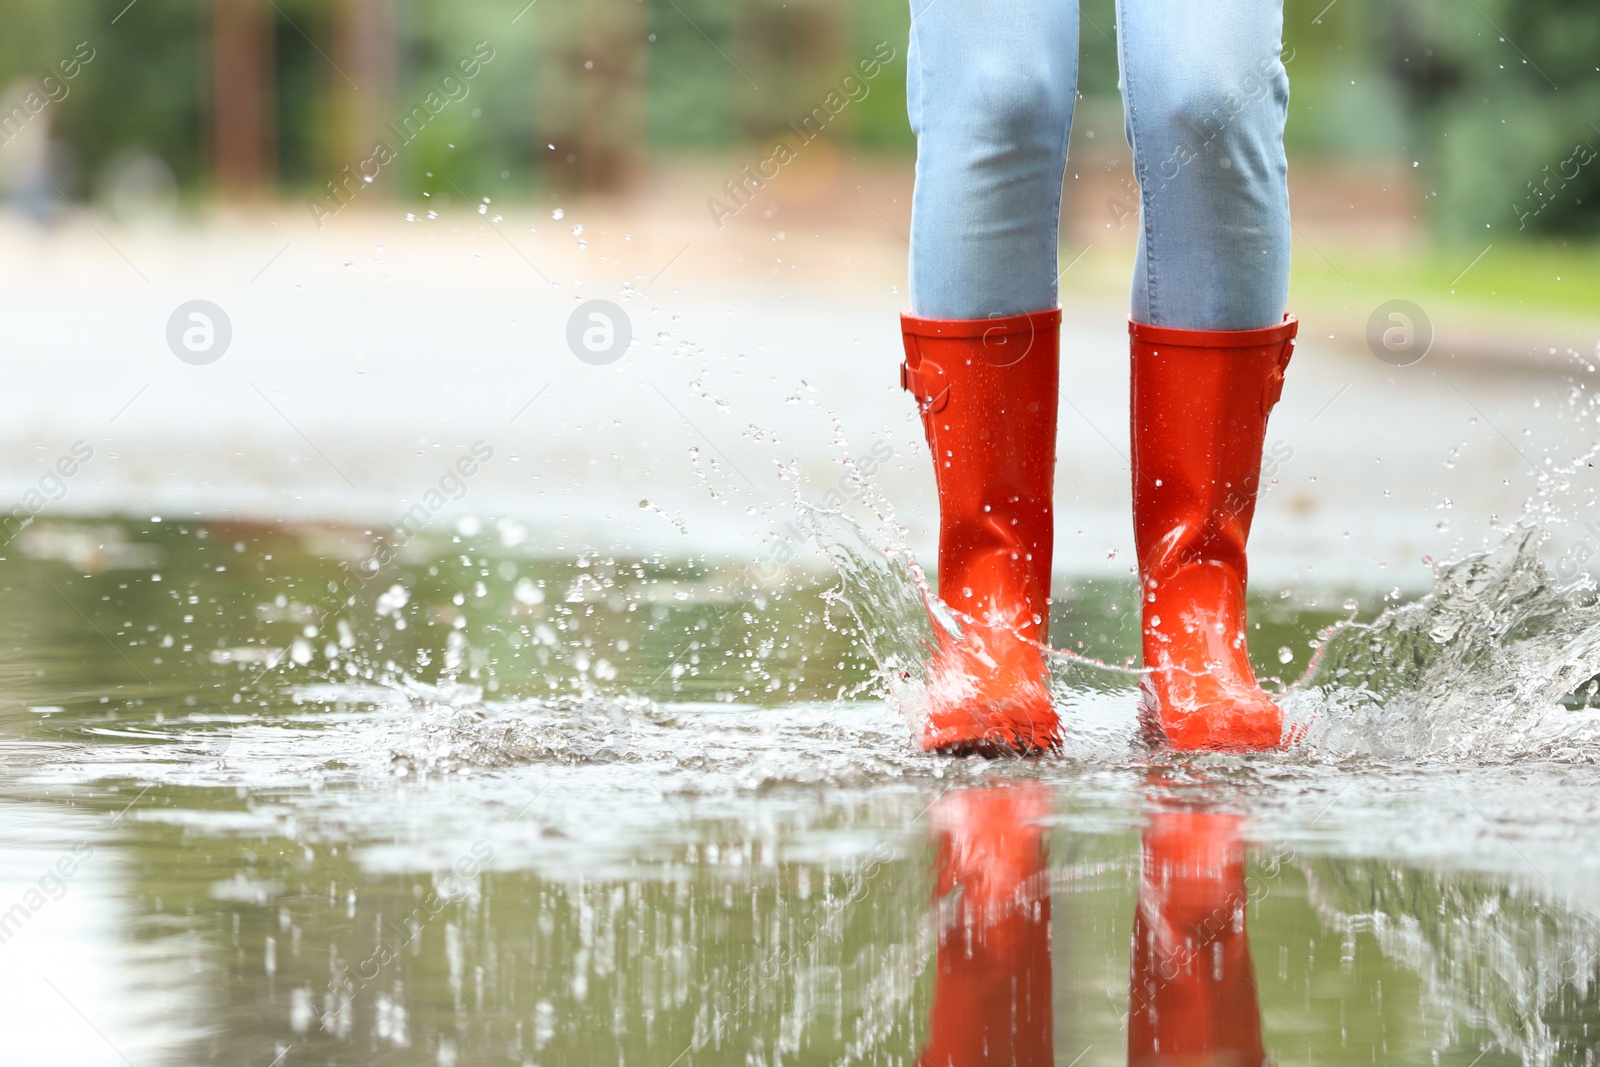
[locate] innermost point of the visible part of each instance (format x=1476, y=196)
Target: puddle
x=484, y=806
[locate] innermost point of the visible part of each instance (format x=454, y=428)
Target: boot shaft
x=987, y=393
x=1199, y=404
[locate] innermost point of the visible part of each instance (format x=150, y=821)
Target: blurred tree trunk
x=591, y=87
x=367, y=50
x=800, y=49
x=243, y=108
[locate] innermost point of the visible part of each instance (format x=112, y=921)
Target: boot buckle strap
x=927, y=383
x=1272, y=390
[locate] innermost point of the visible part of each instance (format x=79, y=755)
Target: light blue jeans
x=990, y=90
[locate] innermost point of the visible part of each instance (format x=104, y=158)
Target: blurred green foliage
x=1500, y=97
x=1488, y=99
x=1495, y=102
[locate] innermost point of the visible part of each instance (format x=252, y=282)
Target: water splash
x=1487, y=667
x=901, y=622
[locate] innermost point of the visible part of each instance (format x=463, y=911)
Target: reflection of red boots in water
x=1200, y=402
x=987, y=390
x=1192, y=992
x=991, y=994
x=1192, y=995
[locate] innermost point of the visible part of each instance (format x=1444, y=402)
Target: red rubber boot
x=987, y=392
x=992, y=984
x=1200, y=405
x=1192, y=992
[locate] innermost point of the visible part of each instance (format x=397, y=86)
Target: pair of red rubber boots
x=987, y=391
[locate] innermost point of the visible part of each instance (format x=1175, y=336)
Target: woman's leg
x=1206, y=97
x=990, y=88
